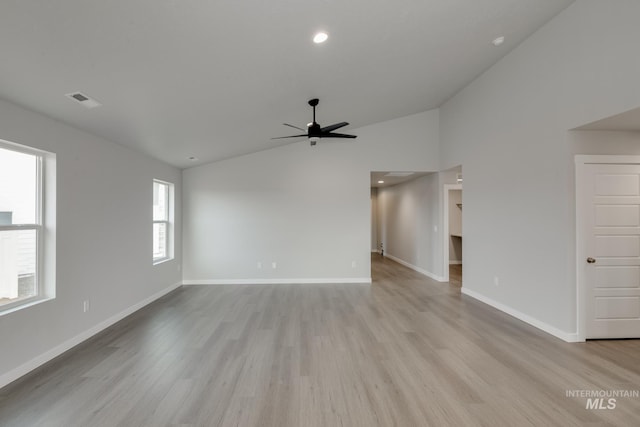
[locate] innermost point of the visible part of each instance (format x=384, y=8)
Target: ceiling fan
x=315, y=132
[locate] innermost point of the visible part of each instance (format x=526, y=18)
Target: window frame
x=168, y=222
x=43, y=290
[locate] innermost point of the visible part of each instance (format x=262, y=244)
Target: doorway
x=452, y=234
x=404, y=218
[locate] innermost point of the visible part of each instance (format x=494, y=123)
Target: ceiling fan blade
x=334, y=126
x=337, y=135
x=295, y=127
x=292, y=136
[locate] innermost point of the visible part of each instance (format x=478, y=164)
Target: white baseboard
x=565, y=336
x=455, y=262
x=416, y=268
x=276, y=281
x=32, y=364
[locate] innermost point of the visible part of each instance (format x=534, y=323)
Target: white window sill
x=19, y=305
x=161, y=260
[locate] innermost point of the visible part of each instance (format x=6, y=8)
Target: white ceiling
x=213, y=79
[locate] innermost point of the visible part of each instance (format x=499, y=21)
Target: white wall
x=104, y=200
x=509, y=129
x=306, y=208
x=603, y=143
x=410, y=215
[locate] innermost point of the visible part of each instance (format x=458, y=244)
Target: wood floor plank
x=403, y=351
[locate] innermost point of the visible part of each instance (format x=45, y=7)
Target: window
x=24, y=256
x=162, y=221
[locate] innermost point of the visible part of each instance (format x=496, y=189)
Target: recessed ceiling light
x=320, y=37
x=498, y=41
x=380, y=182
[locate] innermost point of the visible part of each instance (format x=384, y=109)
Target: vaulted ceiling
x=216, y=79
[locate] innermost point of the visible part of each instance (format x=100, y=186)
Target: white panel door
x=611, y=214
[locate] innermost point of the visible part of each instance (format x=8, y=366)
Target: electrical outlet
x=496, y=280
x=274, y=265
x=353, y=264
x=85, y=306
x=259, y=265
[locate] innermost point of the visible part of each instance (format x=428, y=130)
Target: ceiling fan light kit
x=315, y=132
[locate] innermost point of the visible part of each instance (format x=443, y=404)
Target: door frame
x=581, y=161
x=445, y=229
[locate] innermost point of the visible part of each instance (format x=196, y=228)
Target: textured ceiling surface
x=213, y=79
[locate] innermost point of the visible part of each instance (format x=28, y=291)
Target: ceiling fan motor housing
x=315, y=131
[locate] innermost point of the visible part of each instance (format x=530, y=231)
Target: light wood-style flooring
x=455, y=274
x=404, y=351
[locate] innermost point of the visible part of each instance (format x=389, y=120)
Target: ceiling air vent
x=83, y=100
